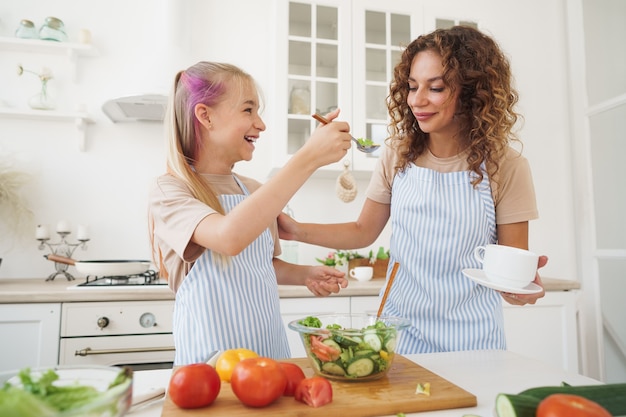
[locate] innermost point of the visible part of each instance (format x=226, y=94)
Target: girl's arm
x=320, y=280
x=229, y=234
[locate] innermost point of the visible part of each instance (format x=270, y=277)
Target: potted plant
x=14, y=211
x=379, y=260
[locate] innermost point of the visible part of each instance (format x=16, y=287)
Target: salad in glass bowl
x=350, y=347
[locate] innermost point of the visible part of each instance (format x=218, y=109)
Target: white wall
x=142, y=43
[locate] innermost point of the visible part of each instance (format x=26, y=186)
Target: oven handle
x=90, y=351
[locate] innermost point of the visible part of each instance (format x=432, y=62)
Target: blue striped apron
x=437, y=221
x=232, y=305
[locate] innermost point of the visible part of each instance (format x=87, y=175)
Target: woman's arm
x=353, y=235
x=516, y=235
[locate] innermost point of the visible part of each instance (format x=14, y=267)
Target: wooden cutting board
x=392, y=394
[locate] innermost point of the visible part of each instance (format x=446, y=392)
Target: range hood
x=141, y=107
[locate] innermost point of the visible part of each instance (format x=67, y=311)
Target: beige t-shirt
x=176, y=214
x=513, y=191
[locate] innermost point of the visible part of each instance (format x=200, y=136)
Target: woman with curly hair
x=449, y=181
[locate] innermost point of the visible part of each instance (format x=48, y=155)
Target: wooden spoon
x=386, y=293
x=359, y=146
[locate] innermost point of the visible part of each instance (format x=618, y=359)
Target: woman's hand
x=522, y=299
x=324, y=280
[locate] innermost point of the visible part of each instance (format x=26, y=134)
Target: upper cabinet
x=333, y=54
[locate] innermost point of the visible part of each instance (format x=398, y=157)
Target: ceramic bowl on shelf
x=350, y=347
x=93, y=391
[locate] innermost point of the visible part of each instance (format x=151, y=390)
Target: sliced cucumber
x=333, y=368
x=360, y=367
x=516, y=405
x=332, y=343
x=372, y=339
x=363, y=352
x=390, y=344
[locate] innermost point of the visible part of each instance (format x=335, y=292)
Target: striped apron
x=233, y=304
x=437, y=221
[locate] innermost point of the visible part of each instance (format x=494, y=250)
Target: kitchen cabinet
x=73, y=51
x=30, y=336
x=547, y=330
x=332, y=54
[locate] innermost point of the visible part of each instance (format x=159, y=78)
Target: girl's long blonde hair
x=206, y=83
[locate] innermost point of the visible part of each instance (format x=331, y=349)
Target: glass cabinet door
x=380, y=35
x=313, y=68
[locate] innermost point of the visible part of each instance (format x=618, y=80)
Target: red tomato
x=323, y=352
x=294, y=375
x=194, y=386
x=558, y=405
x=315, y=391
x=258, y=382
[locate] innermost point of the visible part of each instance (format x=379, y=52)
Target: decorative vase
x=42, y=100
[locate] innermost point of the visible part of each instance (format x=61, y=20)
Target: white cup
x=362, y=273
x=506, y=265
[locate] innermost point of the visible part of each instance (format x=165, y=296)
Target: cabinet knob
x=103, y=322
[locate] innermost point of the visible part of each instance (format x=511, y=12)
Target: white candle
x=63, y=227
x=82, y=233
x=42, y=232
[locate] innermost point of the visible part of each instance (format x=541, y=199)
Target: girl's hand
x=287, y=227
x=324, y=280
x=328, y=143
x=522, y=299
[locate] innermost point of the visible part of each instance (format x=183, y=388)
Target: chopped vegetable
x=365, y=142
x=351, y=353
x=41, y=397
x=423, y=389
x=610, y=396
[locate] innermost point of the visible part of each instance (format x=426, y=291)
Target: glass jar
x=53, y=29
x=300, y=100
x=26, y=30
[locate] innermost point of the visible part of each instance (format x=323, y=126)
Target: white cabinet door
x=547, y=331
x=30, y=336
x=365, y=304
x=296, y=308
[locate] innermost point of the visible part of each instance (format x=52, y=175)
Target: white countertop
x=482, y=373
x=60, y=290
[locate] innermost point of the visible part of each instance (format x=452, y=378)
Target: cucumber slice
x=333, y=369
x=372, y=339
x=363, y=352
x=390, y=344
x=361, y=367
x=332, y=343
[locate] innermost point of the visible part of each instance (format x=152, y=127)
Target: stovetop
x=148, y=278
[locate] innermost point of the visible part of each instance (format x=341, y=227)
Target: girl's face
x=235, y=125
x=429, y=99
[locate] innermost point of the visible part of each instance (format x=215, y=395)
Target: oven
x=137, y=334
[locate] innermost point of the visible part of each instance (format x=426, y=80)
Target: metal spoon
x=359, y=146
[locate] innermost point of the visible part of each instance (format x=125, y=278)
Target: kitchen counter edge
x=29, y=290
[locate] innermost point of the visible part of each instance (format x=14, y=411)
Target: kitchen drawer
x=116, y=318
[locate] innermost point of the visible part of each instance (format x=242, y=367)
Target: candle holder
x=63, y=248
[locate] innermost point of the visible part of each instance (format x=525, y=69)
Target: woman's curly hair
x=474, y=64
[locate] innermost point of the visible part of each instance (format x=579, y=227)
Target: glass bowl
x=350, y=347
x=105, y=401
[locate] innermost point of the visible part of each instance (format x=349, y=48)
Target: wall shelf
x=70, y=49
x=80, y=119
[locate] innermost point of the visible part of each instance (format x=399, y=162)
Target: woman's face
x=235, y=124
x=429, y=98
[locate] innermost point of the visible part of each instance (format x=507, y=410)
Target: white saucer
x=478, y=276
